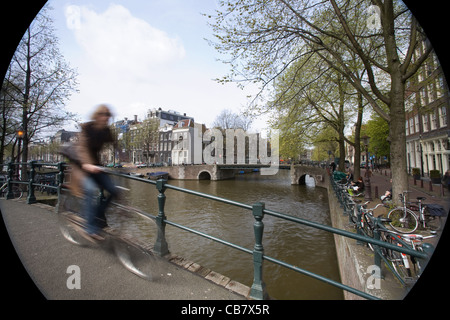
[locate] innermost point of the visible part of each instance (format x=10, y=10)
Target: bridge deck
x=46, y=255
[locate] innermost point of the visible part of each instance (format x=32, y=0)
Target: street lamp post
x=367, y=185
x=20, y=134
x=421, y=155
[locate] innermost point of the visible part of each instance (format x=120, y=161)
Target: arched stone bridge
x=321, y=175
x=298, y=173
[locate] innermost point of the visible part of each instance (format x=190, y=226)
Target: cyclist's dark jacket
x=90, y=143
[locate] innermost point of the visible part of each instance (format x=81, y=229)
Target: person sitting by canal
x=387, y=195
x=358, y=186
x=333, y=166
x=88, y=177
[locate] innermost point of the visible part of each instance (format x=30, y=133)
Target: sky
x=137, y=55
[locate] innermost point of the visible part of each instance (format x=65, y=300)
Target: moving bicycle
x=134, y=255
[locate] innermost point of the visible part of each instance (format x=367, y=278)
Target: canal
x=305, y=247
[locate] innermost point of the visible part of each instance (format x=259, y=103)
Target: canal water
x=302, y=246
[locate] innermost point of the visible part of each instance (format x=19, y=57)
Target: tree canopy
x=372, y=45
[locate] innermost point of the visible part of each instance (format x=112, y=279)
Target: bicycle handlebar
x=412, y=237
x=370, y=209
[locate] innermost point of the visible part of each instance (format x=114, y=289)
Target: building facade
x=187, y=143
x=427, y=119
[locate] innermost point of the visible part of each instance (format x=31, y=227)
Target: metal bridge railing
x=258, y=288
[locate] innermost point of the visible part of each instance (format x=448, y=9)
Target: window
x=422, y=95
x=416, y=120
x=435, y=61
x=431, y=92
x=440, y=87
x=420, y=75
x=410, y=102
x=425, y=122
x=433, y=121
x=442, y=116
x=411, y=125
x=428, y=68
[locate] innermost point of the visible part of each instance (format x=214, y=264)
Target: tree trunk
x=357, y=145
x=397, y=134
x=397, y=138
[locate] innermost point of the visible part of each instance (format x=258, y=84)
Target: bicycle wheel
x=72, y=227
x=3, y=192
x=367, y=227
x=135, y=258
x=432, y=222
x=403, y=220
x=400, y=261
x=17, y=192
x=70, y=222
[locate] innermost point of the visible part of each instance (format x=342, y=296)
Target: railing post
x=60, y=178
x=377, y=256
x=9, y=194
x=358, y=225
x=258, y=290
x=161, y=248
x=31, y=197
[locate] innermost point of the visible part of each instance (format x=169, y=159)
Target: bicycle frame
x=416, y=242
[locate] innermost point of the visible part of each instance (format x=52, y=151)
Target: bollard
x=258, y=290
x=31, y=197
x=431, y=186
x=161, y=248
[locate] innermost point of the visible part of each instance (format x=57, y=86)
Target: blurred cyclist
x=88, y=176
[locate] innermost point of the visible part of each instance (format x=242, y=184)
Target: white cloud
x=119, y=43
x=127, y=63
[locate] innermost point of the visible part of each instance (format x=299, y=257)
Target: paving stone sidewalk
x=47, y=257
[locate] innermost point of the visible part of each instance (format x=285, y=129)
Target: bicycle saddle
x=420, y=198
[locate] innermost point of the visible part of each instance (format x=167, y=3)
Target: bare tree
x=39, y=81
x=227, y=119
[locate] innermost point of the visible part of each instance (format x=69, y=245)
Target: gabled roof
x=186, y=123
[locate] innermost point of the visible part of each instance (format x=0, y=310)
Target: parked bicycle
x=46, y=183
x=407, y=267
x=429, y=215
x=16, y=190
x=366, y=221
x=403, y=220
